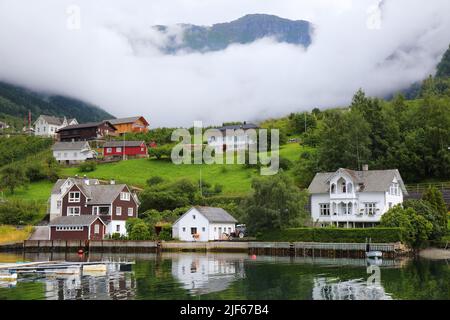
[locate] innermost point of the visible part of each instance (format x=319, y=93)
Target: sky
x=82, y=49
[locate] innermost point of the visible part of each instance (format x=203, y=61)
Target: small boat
x=374, y=254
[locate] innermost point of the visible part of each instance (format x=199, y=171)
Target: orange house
x=128, y=125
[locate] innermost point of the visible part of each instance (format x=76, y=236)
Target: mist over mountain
x=244, y=30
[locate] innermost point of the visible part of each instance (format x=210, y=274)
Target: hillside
x=241, y=31
x=17, y=101
x=443, y=68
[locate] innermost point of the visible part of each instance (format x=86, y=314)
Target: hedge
x=378, y=235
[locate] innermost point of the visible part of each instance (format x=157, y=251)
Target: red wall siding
x=81, y=204
x=125, y=205
x=129, y=151
x=99, y=236
x=68, y=235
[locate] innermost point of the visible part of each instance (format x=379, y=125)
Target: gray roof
x=371, y=180
x=216, y=214
x=82, y=220
x=78, y=181
x=53, y=120
x=124, y=120
x=76, y=145
x=118, y=143
x=103, y=193
x=85, y=125
x=244, y=126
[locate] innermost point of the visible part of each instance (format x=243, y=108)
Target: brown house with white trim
x=112, y=203
x=77, y=228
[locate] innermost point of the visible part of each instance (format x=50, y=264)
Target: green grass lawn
x=37, y=191
x=235, y=179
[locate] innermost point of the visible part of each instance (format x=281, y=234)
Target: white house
x=203, y=224
x=348, y=198
x=73, y=152
x=236, y=137
x=48, y=125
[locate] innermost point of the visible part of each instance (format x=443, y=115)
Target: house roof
x=52, y=120
x=213, y=214
x=85, y=126
x=118, y=143
x=103, y=193
x=82, y=220
x=76, y=145
x=77, y=181
x=244, y=126
x=128, y=120
x=372, y=180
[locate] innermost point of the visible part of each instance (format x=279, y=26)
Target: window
x=118, y=211
x=73, y=211
x=344, y=187
x=142, y=149
x=394, y=189
x=58, y=204
x=130, y=212
x=333, y=188
x=118, y=228
x=184, y=229
x=95, y=211
x=370, y=208
x=203, y=229
x=118, y=149
x=75, y=154
x=74, y=196
x=348, y=208
x=193, y=230
x=97, y=229
x=69, y=228
x=324, y=209
x=108, y=150
x=125, y=196
x=58, y=154
x=65, y=154
x=390, y=205
x=193, y=216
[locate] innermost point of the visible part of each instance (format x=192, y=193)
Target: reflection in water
x=233, y=276
x=201, y=274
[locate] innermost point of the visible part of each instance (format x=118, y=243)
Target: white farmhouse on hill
x=241, y=137
x=47, y=126
x=72, y=152
x=203, y=224
x=354, y=199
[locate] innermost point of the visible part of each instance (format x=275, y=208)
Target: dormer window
x=125, y=196
x=344, y=187
x=333, y=188
x=394, y=189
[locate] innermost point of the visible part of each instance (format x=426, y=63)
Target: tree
x=276, y=203
x=139, y=230
x=434, y=197
x=415, y=229
x=426, y=210
x=13, y=177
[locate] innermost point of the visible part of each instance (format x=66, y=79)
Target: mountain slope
x=244, y=30
x=16, y=102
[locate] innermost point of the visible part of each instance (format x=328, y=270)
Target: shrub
x=285, y=164
x=35, y=172
x=380, y=235
x=166, y=232
x=154, y=181
x=88, y=166
x=17, y=212
x=139, y=231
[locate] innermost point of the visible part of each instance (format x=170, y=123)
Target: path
x=40, y=233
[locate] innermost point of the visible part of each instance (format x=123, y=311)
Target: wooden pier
x=300, y=249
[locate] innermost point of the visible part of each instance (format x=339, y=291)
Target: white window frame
x=71, y=214
x=125, y=196
x=78, y=228
x=58, y=204
x=325, y=209
x=96, y=229
x=108, y=150
x=74, y=199
x=118, y=211
x=130, y=212
x=370, y=208
x=118, y=149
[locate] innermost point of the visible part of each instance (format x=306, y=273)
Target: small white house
x=72, y=152
x=236, y=137
x=47, y=126
x=204, y=224
x=348, y=198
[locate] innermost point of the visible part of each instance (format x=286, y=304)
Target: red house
x=129, y=149
x=77, y=228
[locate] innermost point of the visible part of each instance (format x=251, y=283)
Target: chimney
x=113, y=181
x=365, y=167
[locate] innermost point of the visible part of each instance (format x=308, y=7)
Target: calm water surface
x=234, y=276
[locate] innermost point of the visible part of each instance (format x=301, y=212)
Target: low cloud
x=114, y=60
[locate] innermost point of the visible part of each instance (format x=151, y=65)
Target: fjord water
x=234, y=276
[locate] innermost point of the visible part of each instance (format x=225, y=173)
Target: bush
x=154, y=181
x=88, y=166
x=378, y=235
x=139, y=231
x=20, y=212
x=35, y=172
x=166, y=232
x=285, y=164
